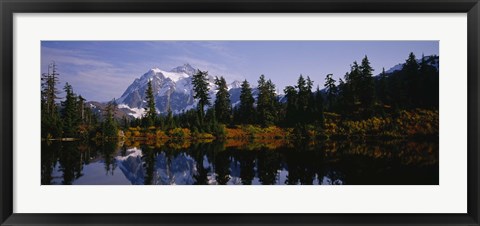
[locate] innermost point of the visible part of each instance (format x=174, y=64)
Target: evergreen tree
x=109, y=125
x=51, y=125
x=151, y=111
x=410, y=69
x=429, y=84
x=69, y=112
x=382, y=87
x=304, y=99
x=353, y=79
x=81, y=108
x=318, y=117
x=246, y=108
x=367, y=88
x=83, y=112
x=422, y=89
x=266, y=102
x=200, y=87
x=222, y=101
x=273, y=104
x=331, y=90
x=292, y=107
x=344, y=96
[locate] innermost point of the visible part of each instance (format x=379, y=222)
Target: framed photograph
x=231, y=112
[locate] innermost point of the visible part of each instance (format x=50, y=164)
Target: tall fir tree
x=151, y=111
x=304, y=99
x=266, y=102
x=70, y=116
x=411, y=70
x=353, y=79
x=246, y=108
x=382, y=87
x=222, y=101
x=51, y=125
x=109, y=125
x=292, y=107
x=200, y=87
x=318, y=106
x=331, y=90
x=366, y=87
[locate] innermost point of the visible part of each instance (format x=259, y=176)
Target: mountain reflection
x=236, y=162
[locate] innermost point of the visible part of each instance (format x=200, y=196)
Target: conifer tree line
x=358, y=95
x=71, y=118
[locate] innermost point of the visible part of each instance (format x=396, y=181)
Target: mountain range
x=172, y=90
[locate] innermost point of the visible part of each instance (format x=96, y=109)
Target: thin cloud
x=78, y=58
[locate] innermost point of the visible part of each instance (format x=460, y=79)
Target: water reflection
x=236, y=162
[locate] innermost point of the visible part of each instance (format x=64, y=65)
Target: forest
x=400, y=104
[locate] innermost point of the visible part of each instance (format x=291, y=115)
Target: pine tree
x=200, y=87
x=246, y=108
x=318, y=117
x=382, y=87
x=69, y=112
x=273, y=102
x=109, y=125
x=366, y=89
x=50, y=122
x=81, y=108
x=151, y=111
x=222, y=101
x=266, y=102
x=292, y=107
x=353, y=79
x=304, y=99
x=331, y=90
x=422, y=85
x=410, y=69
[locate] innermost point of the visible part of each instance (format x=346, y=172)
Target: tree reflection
x=70, y=162
x=222, y=164
x=325, y=162
x=108, y=149
x=247, y=165
x=199, y=155
x=268, y=164
x=148, y=159
x=49, y=160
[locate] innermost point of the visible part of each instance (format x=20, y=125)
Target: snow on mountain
x=430, y=60
x=397, y=67
x=234, y=85
x=172, y=89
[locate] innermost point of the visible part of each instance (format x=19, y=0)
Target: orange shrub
x=236, y=133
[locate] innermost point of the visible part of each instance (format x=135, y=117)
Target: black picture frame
x=9, y=7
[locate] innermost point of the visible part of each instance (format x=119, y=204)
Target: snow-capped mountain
x=172, y=89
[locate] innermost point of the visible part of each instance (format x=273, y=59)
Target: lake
x=238, y=162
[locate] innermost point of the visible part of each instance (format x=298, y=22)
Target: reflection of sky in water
x=394, y=163
x=169, y=170
x=94, y=174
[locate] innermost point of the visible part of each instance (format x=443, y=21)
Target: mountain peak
x=186, y=68
x=155, y=70
x=235, y=84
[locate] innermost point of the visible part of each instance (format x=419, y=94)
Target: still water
x=234, y=162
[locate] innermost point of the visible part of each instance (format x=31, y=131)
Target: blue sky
x=102, y=70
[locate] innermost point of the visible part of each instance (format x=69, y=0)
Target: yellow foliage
x=180, y=133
